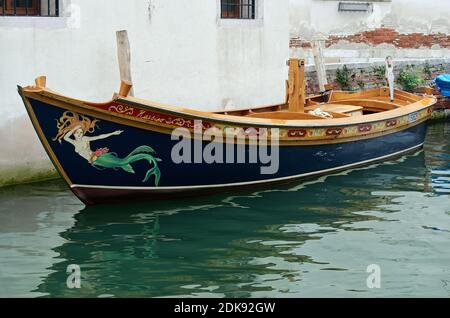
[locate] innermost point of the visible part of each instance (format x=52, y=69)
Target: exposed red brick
x=390, y=36
x=385, y=36
x=300, y=43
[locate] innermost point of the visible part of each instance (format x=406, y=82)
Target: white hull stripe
x=165, y=189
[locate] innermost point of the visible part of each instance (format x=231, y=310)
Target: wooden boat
x=123, y=149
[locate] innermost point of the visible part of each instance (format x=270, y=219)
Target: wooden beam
x=125, y=88
x=317, y=49
x=370, y=103
x=41, y=81
x=124, y=56
x=302, y=86
x=390, y=76
x=296, y=85
x=292, y=85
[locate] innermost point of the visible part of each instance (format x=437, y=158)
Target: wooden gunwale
x=422, y=103
x=71, y=104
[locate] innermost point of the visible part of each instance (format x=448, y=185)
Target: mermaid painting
x=73, y=128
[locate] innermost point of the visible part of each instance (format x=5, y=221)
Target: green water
x=302, y=240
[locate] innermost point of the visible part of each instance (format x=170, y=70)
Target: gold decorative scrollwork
x=121, y=109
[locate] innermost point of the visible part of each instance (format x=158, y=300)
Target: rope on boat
x=319, y=112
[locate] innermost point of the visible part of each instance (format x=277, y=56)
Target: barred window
x=238, y=9
x=47, y=8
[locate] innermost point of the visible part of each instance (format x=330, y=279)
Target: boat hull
x=124, y=172
x=91, y=195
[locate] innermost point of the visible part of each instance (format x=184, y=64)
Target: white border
x=227, y=185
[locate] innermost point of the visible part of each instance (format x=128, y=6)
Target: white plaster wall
x=182, y=54
x=319, y=18
x=422, y=16
x=313, y=18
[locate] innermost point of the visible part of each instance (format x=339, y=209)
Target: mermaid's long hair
x=69, y=121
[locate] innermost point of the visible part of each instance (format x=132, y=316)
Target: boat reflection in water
x=439, y=158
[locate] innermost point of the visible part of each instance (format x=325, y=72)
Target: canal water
x=317, y=238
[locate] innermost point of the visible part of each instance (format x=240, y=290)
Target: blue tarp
x=443, y=83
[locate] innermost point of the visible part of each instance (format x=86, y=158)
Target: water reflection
x=311, y=239
x=31, y=218
x=204, y=248
x=438, y=157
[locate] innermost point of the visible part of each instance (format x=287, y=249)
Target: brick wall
x=384, y=36
x=391, y=36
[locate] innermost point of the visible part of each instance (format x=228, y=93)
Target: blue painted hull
x=96, y=184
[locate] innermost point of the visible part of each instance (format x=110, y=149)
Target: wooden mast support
x=302, y=86
x=124, y=56
x=125, y=88
x=390, y=76
x=317, y=49
x=41, y=82
x=296, y=86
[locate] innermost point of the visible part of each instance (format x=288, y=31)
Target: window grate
x=238, y=9
x=44, y=8
x=355, y=7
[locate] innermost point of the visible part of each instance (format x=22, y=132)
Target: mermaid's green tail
x=111, y=161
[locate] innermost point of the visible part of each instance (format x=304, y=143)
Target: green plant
x=380, y=74
x=410, y=79
x=343, y=78
x=427, y=71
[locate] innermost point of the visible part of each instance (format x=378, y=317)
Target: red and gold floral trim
x=295, y=134
x=159, y=118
